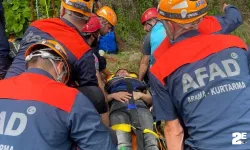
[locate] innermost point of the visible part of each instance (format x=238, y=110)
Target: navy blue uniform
x=211, y=96
x=83, y=68
x=47, y=115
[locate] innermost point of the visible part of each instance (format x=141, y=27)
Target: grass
x=121, y=60
x=244, y=32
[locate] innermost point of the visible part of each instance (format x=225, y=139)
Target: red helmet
x=93, y=25
x=149, y=14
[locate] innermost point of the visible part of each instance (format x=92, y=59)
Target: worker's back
x=209, y=88
x=40, y=113
x=79, y=55
x=212, y=95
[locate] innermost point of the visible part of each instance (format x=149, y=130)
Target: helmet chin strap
x=59, y=76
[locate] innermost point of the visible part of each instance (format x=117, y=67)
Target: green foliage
x=45, y=9
x=17, y=16
x=129, y=29
x=214, y=7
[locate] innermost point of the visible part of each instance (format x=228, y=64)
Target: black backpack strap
x=132, y=109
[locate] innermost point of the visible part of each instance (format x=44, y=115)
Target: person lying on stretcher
x=124, y=90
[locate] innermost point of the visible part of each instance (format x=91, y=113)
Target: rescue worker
x=74, y=14
x=93, y=28
x=121, y=99
x=107, y=41
x=91, y=33
x=156, y=32
x=203, y=79
x=43, y=113
x=4, y=45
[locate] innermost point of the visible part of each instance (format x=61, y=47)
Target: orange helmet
x=46, y=54
x=108, y=14
x=83, y=7
x=182, y=11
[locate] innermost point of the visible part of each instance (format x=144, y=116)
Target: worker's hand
x=137, y=95
x=224, y=7
x=121, y=96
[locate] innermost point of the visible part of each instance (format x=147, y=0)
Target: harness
x=131, y=110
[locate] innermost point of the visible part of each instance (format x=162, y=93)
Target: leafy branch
x=20, y=13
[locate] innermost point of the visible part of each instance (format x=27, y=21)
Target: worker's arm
x=174, y=135
x=100, y=81
x=84, y=70
x=224, y=24
x=143, y=96
x=86, y=127
x=165, y=109
x=144, y=65
x=31, y=36
x=98, y=75
x=231, y=20
x=146, y=51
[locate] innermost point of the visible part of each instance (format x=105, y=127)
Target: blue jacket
x=38, y=113
x=82, y=68
x=108, y=43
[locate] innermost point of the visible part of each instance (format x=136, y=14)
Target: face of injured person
x=122, y=73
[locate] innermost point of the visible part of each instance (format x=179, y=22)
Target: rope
x=37, y=9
